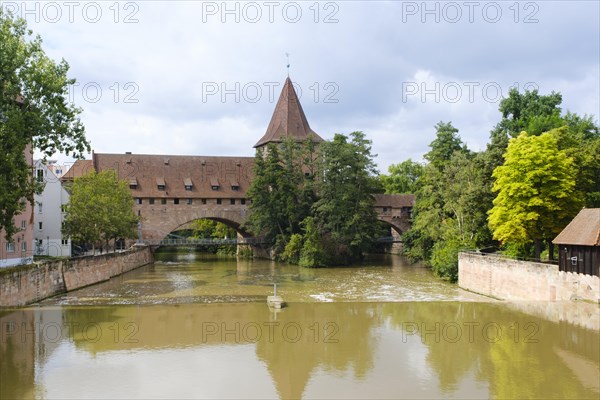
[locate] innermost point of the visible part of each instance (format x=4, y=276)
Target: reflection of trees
x=17, y=355
x=349, y=345
x=521, y=363
x=451, y=361
x=555, y=366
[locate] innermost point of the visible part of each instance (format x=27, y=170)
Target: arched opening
x=391, y=239
x=191, y=225
x=208, y=236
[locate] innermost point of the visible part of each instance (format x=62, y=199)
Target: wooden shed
x=579, y=243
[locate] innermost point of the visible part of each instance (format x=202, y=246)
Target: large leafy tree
x=34, y=113
x=281, y=192
x=402, y=177
x=100, y=209
x=429, y=209
x=347, y=181
x=528, y=111
x=536, y=191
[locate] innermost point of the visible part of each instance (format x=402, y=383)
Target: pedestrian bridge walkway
x=204, y=241
x=186, y=242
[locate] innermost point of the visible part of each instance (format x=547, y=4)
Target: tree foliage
x=318, y=210
x=537, y=195
x=448, y=214
x=34, y=113
x=281, y=192
x=402, y=177
x=345, y=210
x=100, y=209
x=209, y=229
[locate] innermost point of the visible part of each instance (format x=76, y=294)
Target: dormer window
x=160, y=183
x=214, y=183
x=187, y=182
x=166, y=160
x=235, y=186
x=133, y=183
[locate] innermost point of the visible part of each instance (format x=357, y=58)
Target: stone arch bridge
x=170, y=191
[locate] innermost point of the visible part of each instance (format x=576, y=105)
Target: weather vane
x=288, y=63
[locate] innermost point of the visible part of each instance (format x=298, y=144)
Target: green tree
x=209, y=229
x=100, y=209
x=402, y=177
x=281, y=192
x=536, y=190
x=444, y=145
x=430, y=208
x=345, y=210
x=34, y=113
x=528, y=111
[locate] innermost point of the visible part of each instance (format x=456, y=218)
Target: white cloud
x=176, y=51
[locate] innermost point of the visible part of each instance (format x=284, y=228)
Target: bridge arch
x=158, y=224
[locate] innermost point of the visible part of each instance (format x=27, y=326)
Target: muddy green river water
x=198, y=326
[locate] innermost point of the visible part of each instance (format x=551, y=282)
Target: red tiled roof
x=202, y=172
x=288, y=119
x=394, y=200
x=583, y=230
x=78, y=169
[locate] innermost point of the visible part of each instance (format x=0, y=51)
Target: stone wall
x=28, y=284
x=509, y=279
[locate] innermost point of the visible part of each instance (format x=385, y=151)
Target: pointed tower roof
x=288, y=119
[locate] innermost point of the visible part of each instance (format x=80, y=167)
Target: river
x=197, y=326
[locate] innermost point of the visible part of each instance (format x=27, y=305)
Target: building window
x=235, y=188
x=175, y=201
x=188, y=188
x=23, y=225
x=40, y=225
x=243, y=201
x=151, y=201
x=23, y=246
x=138, y=201
x=163, y=201
x=63, y=208
x=10, y=247
x=65, y=242
x=40, y=175
x=218, y=201
x=214, y=187
x=40, y=207
x=161, y=187
x=133, y=186
x=58, y=171
x=232, y=201
x=384, y=209
x=203, y=201
x=189, y=201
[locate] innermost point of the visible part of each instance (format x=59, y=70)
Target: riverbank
x=30, y=283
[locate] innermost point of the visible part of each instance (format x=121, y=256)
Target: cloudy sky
x=202, y=77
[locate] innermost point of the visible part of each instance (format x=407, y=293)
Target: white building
x=48, y=214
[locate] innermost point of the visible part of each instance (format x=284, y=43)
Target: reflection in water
x=91, y=343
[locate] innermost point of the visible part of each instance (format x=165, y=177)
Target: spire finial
x=288, y=63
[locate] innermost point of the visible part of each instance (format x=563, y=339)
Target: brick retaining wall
x=27, y=284
x=509, y=279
